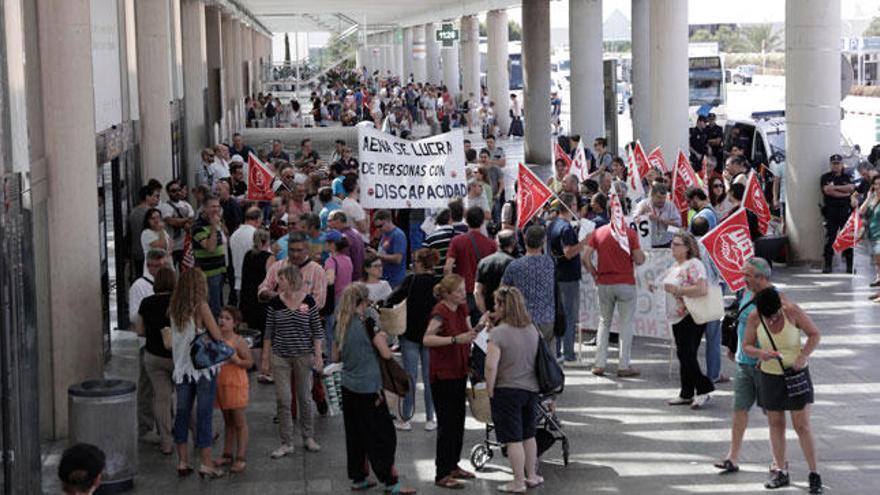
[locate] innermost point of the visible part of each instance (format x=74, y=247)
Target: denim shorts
x=514, y=414
x=745, y=387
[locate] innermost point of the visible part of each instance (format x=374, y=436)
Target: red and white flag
x=755, y=201
x=531, y=195
x=188, y=261
x=683, y=178
x=635, y=190
x=641, y=159
x=579, y=165
x=259, y=180
x=655, y=158
x=618, y=221
x=730, y=246
x=558, y=153
x=848, y=236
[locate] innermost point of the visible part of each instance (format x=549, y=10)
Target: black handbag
x=551, y=379
x=797, y=382
x=729, y=325
x=394, y=377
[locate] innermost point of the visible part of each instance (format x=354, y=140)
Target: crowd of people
x=311, y=269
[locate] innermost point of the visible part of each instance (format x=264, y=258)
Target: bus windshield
x=706, y=81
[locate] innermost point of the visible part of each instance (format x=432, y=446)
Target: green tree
x=762, y=38
x=873, y=29
x=730, y=40
x=702, y=35
x=514, y=31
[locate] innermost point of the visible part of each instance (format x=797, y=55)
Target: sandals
x=225, y=460
x=511, y=488
x=238, y=466
x=449, y=482
x=210, y=473
x=726, y=466
x=538, y=481
x=398, y=489
x=362, y=486
x=184, y=470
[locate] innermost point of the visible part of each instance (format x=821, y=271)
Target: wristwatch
x=453, y=339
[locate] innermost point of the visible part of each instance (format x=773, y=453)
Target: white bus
x=706, y=84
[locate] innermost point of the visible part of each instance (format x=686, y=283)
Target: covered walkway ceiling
x=328, y=15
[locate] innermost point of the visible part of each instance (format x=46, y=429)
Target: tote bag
x=706, y=308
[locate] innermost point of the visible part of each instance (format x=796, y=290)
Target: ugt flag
x=530, y=197
x=579, y=165
x=683, y=178
x=754, y=200
x=641, y=159
x=188, y=260
x=558, y=153
x=635, y=190
x=848, y=236
x=259, y=180
x=655, y=158
x=730, y=246
x=618, y=222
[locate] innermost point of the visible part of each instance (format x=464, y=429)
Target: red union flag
x=641, y=159
x=848, y=236
x=754, y=200
x=730, y=246
x=618, y=222
x=636, y=191
x=530, y=197
x=683, y=178
x=259, y=180
x=579, y=165
x=188, y=260
x=655, y=158
x=558, y=153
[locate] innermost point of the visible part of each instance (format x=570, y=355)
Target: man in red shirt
x=616, y=281
x=465, y=252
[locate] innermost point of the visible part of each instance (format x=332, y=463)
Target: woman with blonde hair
x=449, y=336
x=370, y=439
x=512, y=384
x=190, y=316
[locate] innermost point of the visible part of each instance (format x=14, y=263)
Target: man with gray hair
x=490, y=270
x=661, y=213
x=745, y=383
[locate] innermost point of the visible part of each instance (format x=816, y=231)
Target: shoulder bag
x=394, y=377
x=206, y=352
x=393, y=320
x=706, y=308
x=797, y=382
x=551, y=379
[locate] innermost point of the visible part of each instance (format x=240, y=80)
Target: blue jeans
x=416, y=236
x=412, y=352
x=215, y=293
x=201, y=392
x=569, y=293
x=713, y=350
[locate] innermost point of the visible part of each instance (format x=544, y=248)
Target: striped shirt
x=211, y=262
x=293, y=332
x=440, y=240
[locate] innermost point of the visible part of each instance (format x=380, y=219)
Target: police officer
x=699, y=143
x=715, y=138
x=837, y=187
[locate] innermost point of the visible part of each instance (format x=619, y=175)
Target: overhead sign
x=396, y=173
x=447, y=34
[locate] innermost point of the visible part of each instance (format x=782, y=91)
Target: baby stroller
x=548, y=431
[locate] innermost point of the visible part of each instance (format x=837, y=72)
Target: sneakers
x=282, y=451
x=815, y=483
x=679, y=401
x=700, y=401
x=628, y=372
x=598, y=371
x=311, y=445
x=778, y=479
x=875, y=283
x=430, y=425
x=402, y=425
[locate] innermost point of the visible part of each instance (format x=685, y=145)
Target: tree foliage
x=873, y=29
x=514, y=31
x=747, y=39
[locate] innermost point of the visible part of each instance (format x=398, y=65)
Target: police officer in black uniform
x=715, y=138
x=699, y=143
x=837, y=187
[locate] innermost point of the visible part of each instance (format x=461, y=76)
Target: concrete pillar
x=451, y=69
x=154, y=84
x=470, y=56
x=669, y=76
x=195, y=80
x=399, y=60
x=641, y=72
x=237, y=77
x=812, y=114
x=68, y=135
x=229, y=92
x=388, y=53
x=498, y=78
x=247, y=66
x=536, y=81
x=216, y=85
x=418, y=55
x=407, y=53
x=587, y=85
x=432, y=53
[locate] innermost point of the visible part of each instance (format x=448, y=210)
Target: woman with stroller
x=513, y=386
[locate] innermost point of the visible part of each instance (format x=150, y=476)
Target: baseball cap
x=835, y=158
x=236, y=158
x=332, y=236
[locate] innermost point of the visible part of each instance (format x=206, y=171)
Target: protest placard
x=396, y=173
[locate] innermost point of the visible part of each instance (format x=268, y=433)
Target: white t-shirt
x=378, y=291
x=149, y=236
x=240, y=242
x=183, y=210
x=778, y=169
x=353, y=210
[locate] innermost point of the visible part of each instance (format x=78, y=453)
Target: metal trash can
x=104, y=413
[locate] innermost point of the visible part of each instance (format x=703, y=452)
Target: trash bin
x=104, y=413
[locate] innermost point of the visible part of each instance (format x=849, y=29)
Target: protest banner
x=641, y=159
x=683, y=178
x=635, y=190
x=559, y=153
x=848, y=236
x=755, y=201
x=730, y=246
x=259, y=180
x=396, y=173
x=531, y=195
x=579, y=166
x=655, y=158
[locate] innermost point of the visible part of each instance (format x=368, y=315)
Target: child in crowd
x=232, y=390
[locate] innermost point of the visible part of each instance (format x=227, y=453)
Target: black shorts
x=772, y=394
x=514, y=414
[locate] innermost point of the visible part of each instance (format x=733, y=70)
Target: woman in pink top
x=338, y=273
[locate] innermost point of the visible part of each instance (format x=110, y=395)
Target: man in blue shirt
x=563, y=245
x=392, y=248
x=745, y=388
x=699, y=202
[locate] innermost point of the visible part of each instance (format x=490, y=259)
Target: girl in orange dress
x=232, y=390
